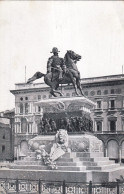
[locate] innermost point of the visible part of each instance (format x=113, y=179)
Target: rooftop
x=119, y=77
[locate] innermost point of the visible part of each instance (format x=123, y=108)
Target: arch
x=113, y=150
x=111, y=138
x=24, y=125
x=23, y=148
x=121, y=141
x=103, y=141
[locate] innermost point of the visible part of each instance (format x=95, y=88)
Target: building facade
x=108, y=116
x=6, y=140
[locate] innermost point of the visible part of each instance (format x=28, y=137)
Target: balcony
x=112, y=110
x=98, y=110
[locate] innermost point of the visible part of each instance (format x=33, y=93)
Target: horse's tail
x=37, y=75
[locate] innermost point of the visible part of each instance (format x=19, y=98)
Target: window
x=92, y=93
x=86, y=93
x=29, y=127
x=26, y=108
x=99, y=104
x=44, y=96
x=39, y=108
x=105, y=92
x=39, y=97
x=118, y=91
x=21, y=98
x=99, y=126
x=112, y=91
x=112, y=104
x=4, y=136
x=26, y=98
x=3, y=148
x=99, y=92
x=18, y=130
x=112, y=126
x=23, y=125
x=21, y=108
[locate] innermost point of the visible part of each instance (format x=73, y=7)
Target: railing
x=21, y=186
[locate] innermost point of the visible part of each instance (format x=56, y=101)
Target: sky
x=29, y=30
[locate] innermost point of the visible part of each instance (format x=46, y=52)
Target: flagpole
x=25, y=73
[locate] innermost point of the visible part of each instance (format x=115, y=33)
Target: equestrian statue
x=61, y=71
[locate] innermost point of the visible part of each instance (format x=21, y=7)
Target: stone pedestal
x=76, y=143
x=66, y=105
x=72, y=114
x=70, y=108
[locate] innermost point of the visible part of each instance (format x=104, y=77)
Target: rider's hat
x=54, y=50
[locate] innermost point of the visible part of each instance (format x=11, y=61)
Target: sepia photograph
x=61, y=97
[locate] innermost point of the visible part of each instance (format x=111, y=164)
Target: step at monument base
x=76, y=160
x=68, y=176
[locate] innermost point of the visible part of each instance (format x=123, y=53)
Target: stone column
x=15, y=152
x=18, y=151
x=119, y=157
x=105, y=151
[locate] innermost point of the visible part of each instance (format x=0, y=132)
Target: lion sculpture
x=58, y=149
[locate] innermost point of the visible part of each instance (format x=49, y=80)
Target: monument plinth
x=72, y=114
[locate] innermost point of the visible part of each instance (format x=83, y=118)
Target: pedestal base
x=77, y=143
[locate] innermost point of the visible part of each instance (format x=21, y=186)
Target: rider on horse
x=61, y=71
x=55, y=64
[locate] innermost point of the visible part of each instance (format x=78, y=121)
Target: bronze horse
x=72, y=75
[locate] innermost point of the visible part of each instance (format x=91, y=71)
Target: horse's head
x=73, y=55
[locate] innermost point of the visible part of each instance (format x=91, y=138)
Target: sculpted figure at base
x=72, y=124
x=59, y=148
x=61, y=71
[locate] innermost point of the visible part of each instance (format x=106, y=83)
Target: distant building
x=108, y=116
x=6, y=140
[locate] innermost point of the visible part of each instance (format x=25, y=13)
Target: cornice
x=29, y=90
x=87, y=84
x=103, y=83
